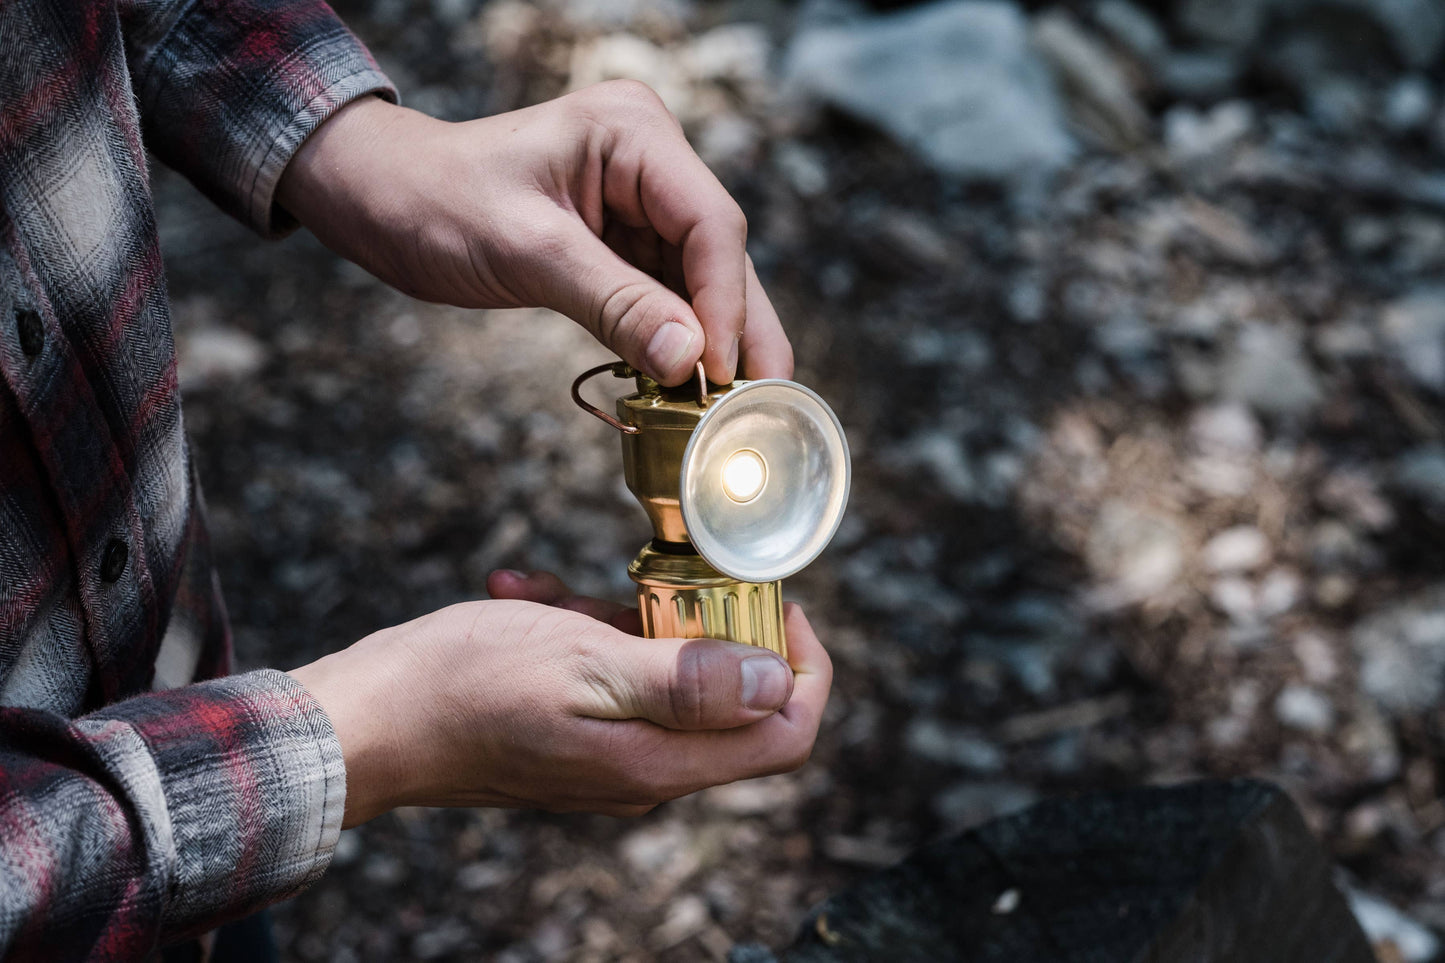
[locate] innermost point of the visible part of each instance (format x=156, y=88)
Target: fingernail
x=733, y=356
x=514, y=573
x=765, y=682
x=669, y=347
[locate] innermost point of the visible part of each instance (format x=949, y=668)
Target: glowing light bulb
x=744, y=474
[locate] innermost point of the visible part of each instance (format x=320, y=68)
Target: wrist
x=333, y=184
x=347, y=692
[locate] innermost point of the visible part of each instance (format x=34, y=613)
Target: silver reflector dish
x=764, y=480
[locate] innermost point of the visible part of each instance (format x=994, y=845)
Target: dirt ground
x=1148, y=486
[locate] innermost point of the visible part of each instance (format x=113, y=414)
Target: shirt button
x=32, y=331
x=112, y=563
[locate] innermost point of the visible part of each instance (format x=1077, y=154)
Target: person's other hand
x=547, y=589
x=593, y=205
x=524, y=704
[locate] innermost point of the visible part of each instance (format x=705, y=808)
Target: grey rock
x=686, y=917
x=383, y=870
x=1385, y=925
x=217, y=354
x=349, y=846
x=957, y=81
x=1279, y=592
x=915, y=239
x=1236, y=23
x=728, y=141
x=1370, y=739
x=1305, y=709
x=624, y=55
x=1421, y=472
x=1133, y=28
x=1236, y=598
x=735, y=53
x=880, y=586
x=1138, y=551
x=1227, y=429
x=1416, y=28
x=1344, y=340
x=804, y=167
x=753, y=797
x=1201, y=75
x=452, y=12
x=447, y=938
x=953, y=745
x=591, y=15
x=489, y=874
x=1026, y=298
x=1191, y=135
x=1238, y=549
x=1127, y=337
x=944, y=457
x=1414, y=331
x=1408, y=104
x=1402, y=653
x=1268, y=370
x=650, y=848
x=973, y=802
x=1093, y=81
x=1338, y=104
x=1316, y=658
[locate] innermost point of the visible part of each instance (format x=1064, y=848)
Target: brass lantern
x=744, y=484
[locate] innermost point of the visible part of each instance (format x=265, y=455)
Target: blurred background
x=1135, y=315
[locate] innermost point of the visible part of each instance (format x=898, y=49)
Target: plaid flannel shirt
x=132, y=813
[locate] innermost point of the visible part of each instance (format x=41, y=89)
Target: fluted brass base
x=681, y=596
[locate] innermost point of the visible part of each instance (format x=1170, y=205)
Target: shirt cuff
x=233, y=87
x=255, y=788
x=262, y=211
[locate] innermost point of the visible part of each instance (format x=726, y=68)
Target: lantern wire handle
x=702, y=399
x=618, y=368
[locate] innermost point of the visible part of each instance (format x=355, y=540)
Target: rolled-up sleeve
x=229, y=89
x=163, y=815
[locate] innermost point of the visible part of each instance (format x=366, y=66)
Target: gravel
x=1146, y=453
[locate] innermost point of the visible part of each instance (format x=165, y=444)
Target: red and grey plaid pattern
x=124, y=824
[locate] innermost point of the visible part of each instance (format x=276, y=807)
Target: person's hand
x=593, y=205
x=529, y=704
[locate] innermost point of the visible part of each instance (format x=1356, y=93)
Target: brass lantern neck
x=656, y=422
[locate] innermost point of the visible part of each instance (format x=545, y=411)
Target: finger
x=678, y=763
x=687, y=684
x=812, y=668
x=653, y=177
x=765, y=351
x=541, y=587
x=548, y=589
x=650, y=327
x=689, y=208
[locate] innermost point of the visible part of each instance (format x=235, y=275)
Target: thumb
x=647, y=324
x=688, y=684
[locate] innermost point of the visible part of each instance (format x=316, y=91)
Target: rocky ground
x=1136, y=321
